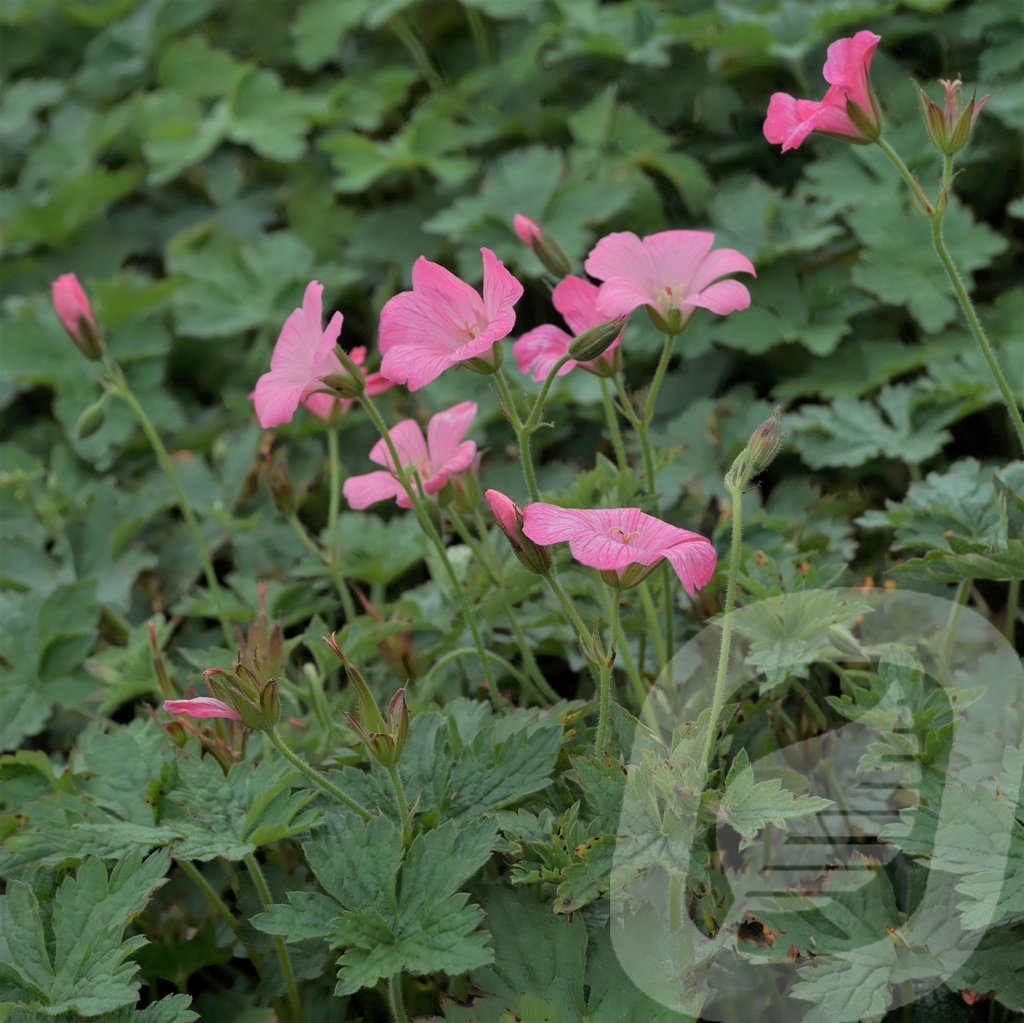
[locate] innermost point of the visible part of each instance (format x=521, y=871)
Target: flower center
x=673, y=295
x=468, y=331
x=618, y=533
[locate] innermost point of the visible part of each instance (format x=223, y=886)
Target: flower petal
x=539, y=349
x=371, y=487
x=445, y=431
x=202, y=707
x=576, y=300
x=723, y=298
x=408, y=440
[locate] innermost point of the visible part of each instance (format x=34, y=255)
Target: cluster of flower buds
x=384, y=739
x=949, y=126
x=248, y=689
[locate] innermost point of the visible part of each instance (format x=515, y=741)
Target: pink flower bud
x=72, y=307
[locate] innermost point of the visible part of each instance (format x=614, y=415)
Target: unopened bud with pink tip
x=71, y=304
x=758, y=454
x=544, y=247
x=509, y=517
x=949, y=126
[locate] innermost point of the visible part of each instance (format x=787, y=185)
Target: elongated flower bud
x=544, y=247
x=74, y=311
x=595, y=341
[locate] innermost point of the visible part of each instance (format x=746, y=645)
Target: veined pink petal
x=362, y=491
x=409, y=443
x=848, y=65
x=789, y=120
x=501, y=291
x=445, y=432
x=321, y=405
x=693, y=562
x=202, y=707
x=547, y=523
x=461, y=459
x=539, y=349
x=722, y=298
x=443, y=321
x=666, y=271
x=304, y=353
x=576, y=300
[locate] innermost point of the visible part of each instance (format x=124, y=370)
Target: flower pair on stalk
x=624, y=544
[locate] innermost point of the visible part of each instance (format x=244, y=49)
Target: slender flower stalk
x=522, y=430
x=124, y=392
x=718, y=698
x=315, y=776
x=935, y=214
x=334, y=474
x=283, y=959
x=604, y=688
x=416, y=499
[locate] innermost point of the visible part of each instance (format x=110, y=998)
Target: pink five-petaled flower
x=71, y=304
x=671, y=272
x=539, y=349
x=625, y=544
x=443, y=454
x=303, y=356
x=202, y=707
x=849, y=110
x=443, y=321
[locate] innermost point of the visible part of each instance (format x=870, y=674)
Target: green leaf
x=87, y=969
x=233, y=815
x=268, y=117
x=903, y=424
x=749, y=806
x=970, y=561
x=958, y=502
x=393, y=909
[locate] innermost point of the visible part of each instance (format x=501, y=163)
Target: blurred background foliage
x=197, y=162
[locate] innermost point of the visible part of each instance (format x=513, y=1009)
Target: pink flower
x=539, y=349
x=849, y=110
x=443, y=321
x=443, y=454
x=671, y=272
x=202, y=707
x=303, y=356
x=71, y=304
x=625, y=544
x=527, y=230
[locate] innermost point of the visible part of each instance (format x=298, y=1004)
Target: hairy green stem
x=403, y=805
x=400, y=26
x=397, y=999
x=283, y=959
x=315, y=776
x=935, y=217
x=333, y=516
x=120, y=384
x=524, y=432
x=653, y=625
x=604, y=688
x=417, y=499
x=462, y=651
x=718, y=698
x=963, y=591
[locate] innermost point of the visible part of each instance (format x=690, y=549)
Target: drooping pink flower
x=671, y=272
x=441, y=455
x=539, y=349
x=790, y=120
x=625, y=544
x=443, y=321
x=71, y=304
x=202, y=707
x=303, y=356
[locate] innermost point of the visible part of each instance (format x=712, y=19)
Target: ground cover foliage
x=197, y=163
